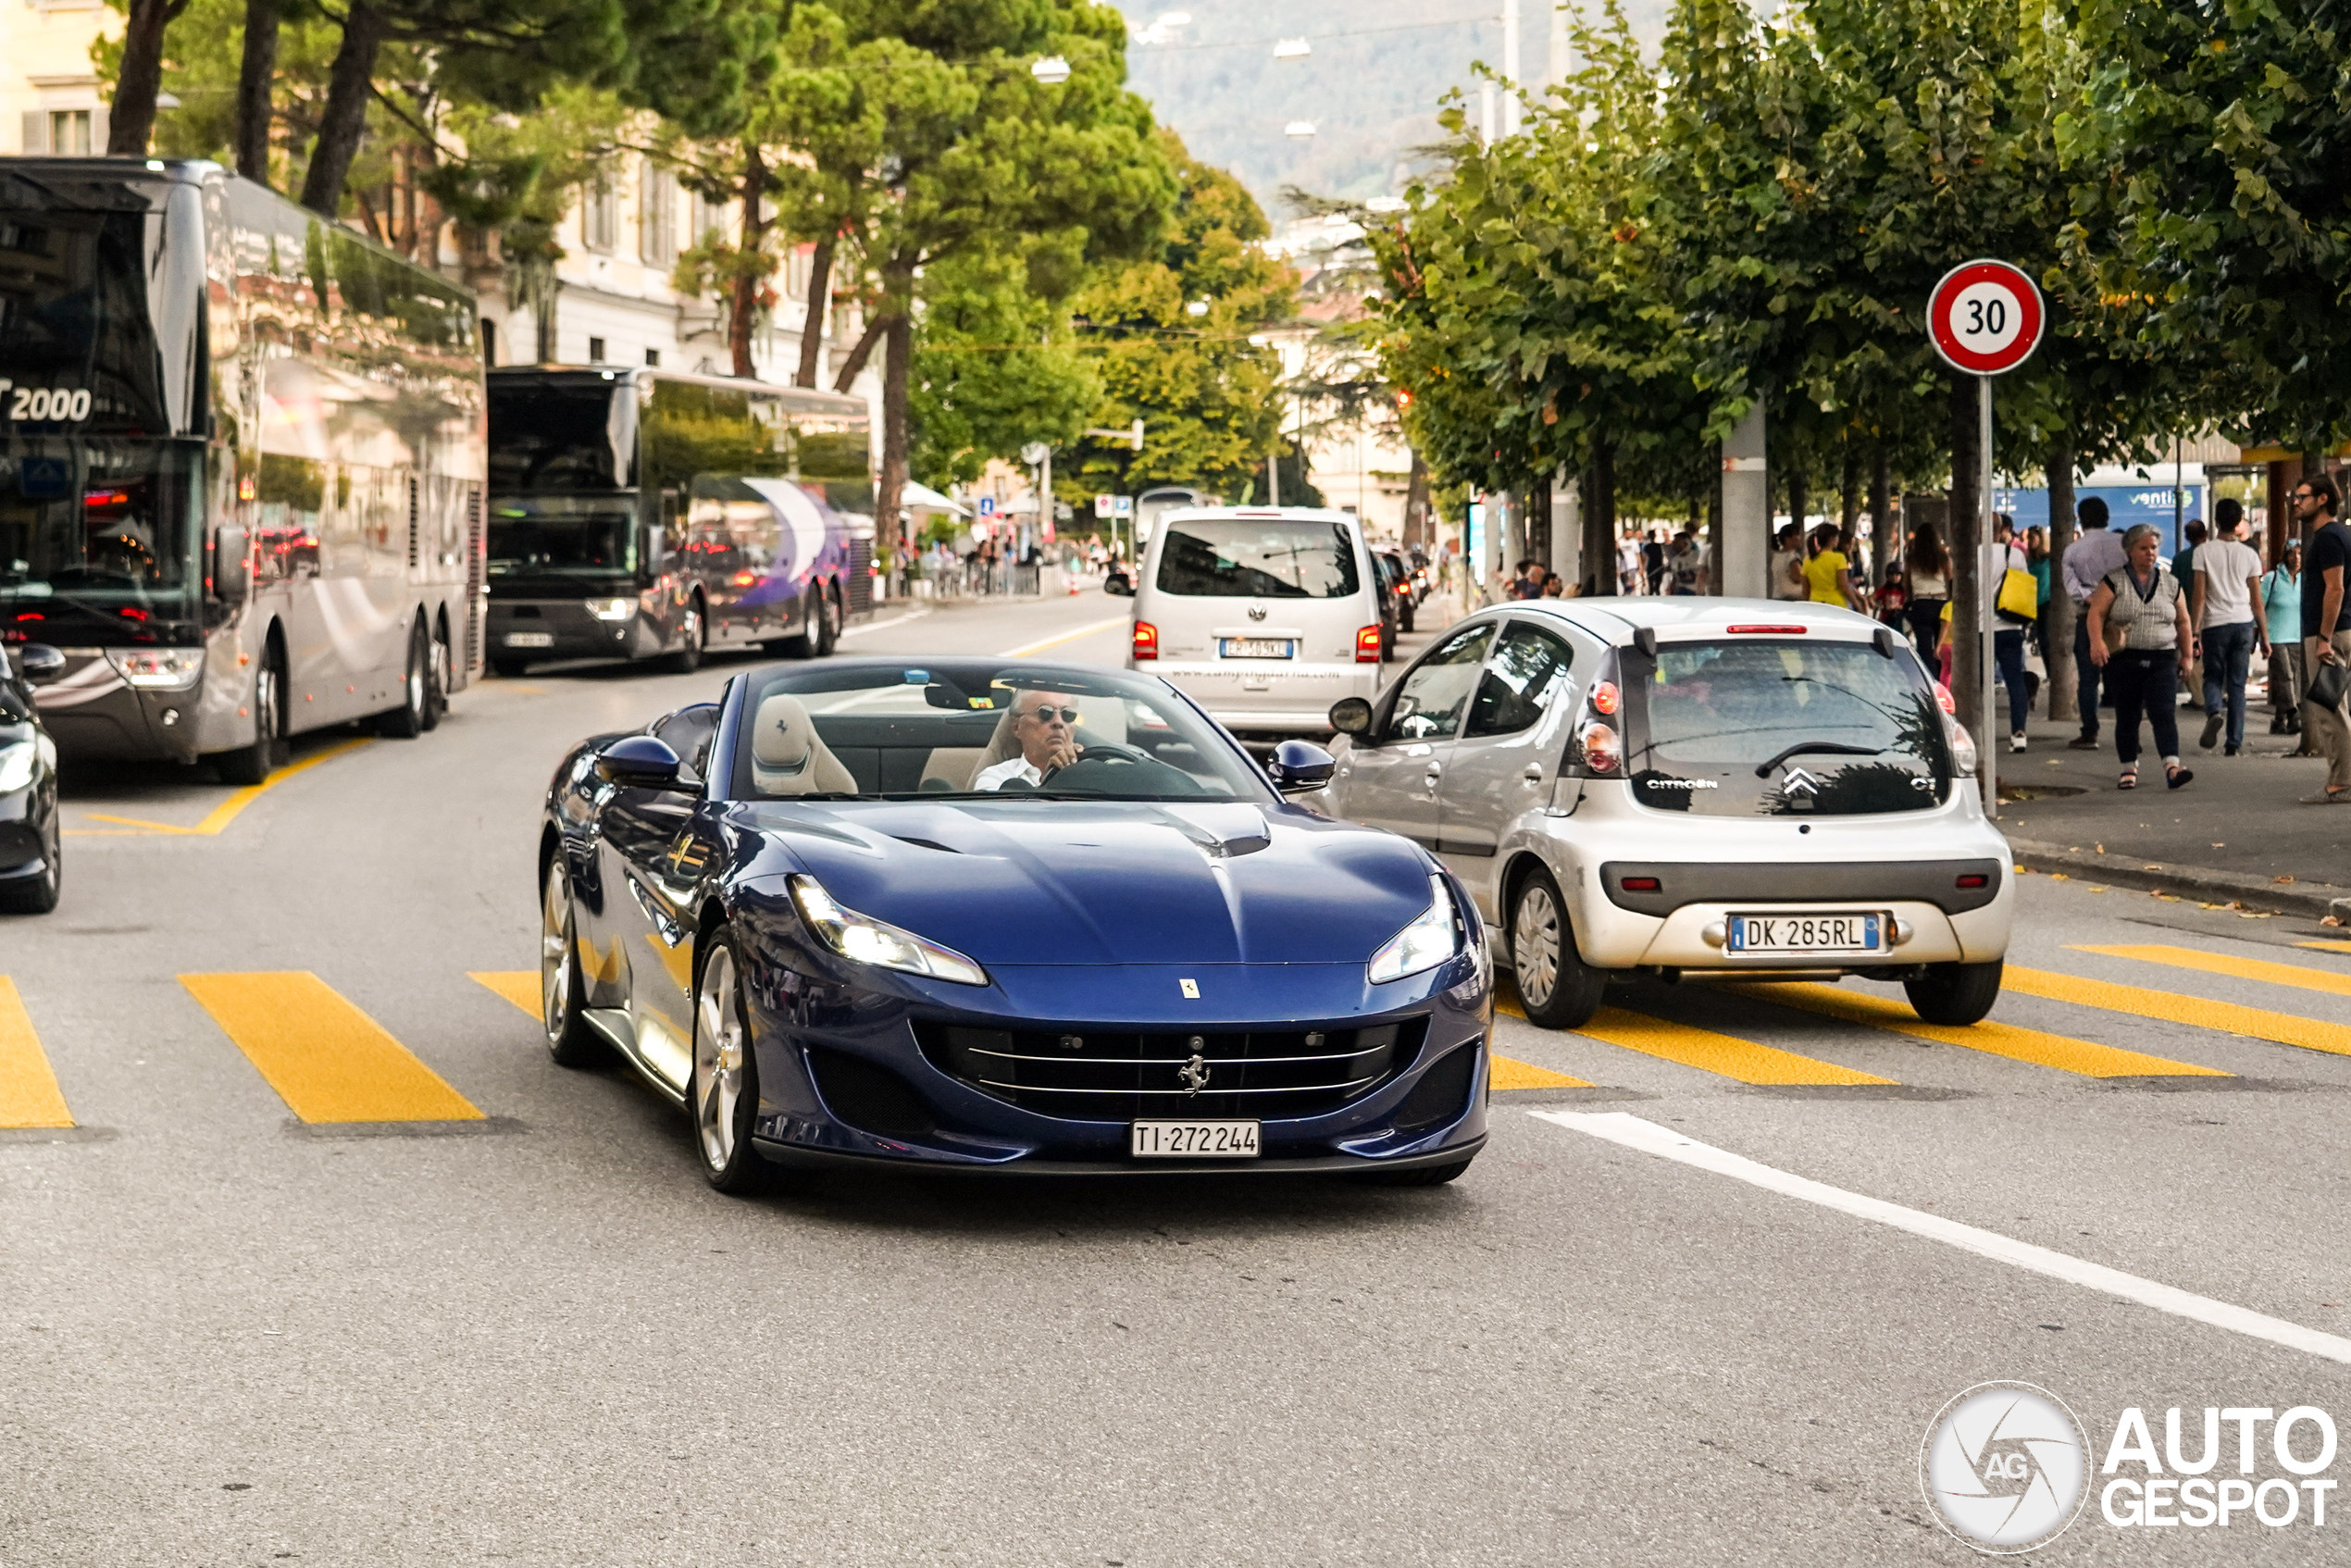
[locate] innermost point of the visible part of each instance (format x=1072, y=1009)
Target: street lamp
x=1053, y=70
x=1196, y=308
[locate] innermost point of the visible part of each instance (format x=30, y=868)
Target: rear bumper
x=1266, y=697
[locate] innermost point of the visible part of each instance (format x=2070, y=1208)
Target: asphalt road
x=231, y=1336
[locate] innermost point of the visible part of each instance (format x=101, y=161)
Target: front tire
x=1556, y=987
x=724, y=1091
x=253, y=763
x=694, y=639
x=38, y=895
x=562, y=993
x=1955, y=994
x=407, y=721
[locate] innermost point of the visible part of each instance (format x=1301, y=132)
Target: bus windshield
x=567, y=536
x=97, y=536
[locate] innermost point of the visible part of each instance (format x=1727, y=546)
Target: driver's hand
x=1061, y=756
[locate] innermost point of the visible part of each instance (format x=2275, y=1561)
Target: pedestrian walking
x=2281, y=613
x=2138, y=627
x=1653, y=560
x=1786, y=568
x=2013, y=604
x=2192, y=536
x=1828, y=575
x=1930, y=576
x=2228, y=587
x=1686, y=566
x=1528, y=584
x=2326, y=635
x=2095, y=551
x=1891, y=597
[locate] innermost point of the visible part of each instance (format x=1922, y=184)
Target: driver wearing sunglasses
x=1042, y=723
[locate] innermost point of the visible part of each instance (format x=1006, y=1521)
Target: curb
x=2316, y=899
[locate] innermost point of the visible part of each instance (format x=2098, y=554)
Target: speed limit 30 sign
x=1985, y=318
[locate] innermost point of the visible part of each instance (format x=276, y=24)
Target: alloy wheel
x=718, y=1060
x=555, y=956
x=1535, y=945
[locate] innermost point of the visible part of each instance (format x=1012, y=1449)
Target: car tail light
x=1146, y=641
x=1765, y=630
x=1943, y=696
x=1963, y=757
x=1975, y=879
x=1606, y=699
x=1367, y=645
x=1641, y=884
x=1601, y=750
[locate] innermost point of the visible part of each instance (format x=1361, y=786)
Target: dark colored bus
x=240, y=465
x=644, y=513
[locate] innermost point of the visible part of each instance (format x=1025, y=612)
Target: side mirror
x=39, y=664
x=638, y=762
x=1301, y=765
x=230, y=574
x=1351, y=715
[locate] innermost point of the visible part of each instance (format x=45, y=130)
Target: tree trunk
x=1965, y=537
x=897, y=352
x=350, y=88
x=1882, y=546
x=1714, y=536
x=140, y=77
x=742, y=305
x=255, y=72
x=866, y=341
x=1597, y=565
x=812, y=331
x=1417, y=519
x=2057, y=626
x=1538, y=520
x=1799, y=501
x=1849, y=509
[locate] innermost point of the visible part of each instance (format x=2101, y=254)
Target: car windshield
x=877, y=730
x=1784, y=726
x=1261, y=558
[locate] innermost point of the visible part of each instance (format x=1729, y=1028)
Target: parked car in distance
x=31, y=862
x=1406, y=595
x=1264, y=615
x=1691, y=787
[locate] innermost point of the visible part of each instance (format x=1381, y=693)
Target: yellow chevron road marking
x=2090, y=1060
x=2226, y=1016
x=29, y=1092
x=517, y=986
x=220, y=816
x=2242, y=968
x=328, y=1061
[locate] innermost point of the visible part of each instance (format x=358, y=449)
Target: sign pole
x=1987, y=597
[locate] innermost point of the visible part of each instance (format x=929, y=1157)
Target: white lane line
x=864, y=627
x=1059, y=638
x=1632, y=1132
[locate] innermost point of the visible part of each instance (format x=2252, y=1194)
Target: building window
x=797, y=267
x=652, y=357
x=595, y=351
x=70, y=132
x=656, y=215
x=708, y=215
x=600, y=217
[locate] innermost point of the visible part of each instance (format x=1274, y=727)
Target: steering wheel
x=1108, y=751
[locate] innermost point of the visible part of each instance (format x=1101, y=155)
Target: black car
x=31, y=867
x=1406, y=599
x=1384, y=572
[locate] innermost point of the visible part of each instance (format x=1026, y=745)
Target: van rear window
x=1245, y=557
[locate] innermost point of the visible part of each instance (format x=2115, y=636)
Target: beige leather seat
x=787, y=757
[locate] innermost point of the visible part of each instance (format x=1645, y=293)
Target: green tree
x=996, y=366
x=1172, y=336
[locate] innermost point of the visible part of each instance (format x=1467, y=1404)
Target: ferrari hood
x=1022, y=882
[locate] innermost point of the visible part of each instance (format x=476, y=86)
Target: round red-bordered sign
x=1985, y=318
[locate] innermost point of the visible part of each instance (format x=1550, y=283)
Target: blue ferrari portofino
x=999, y=916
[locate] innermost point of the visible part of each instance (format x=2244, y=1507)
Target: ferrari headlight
x=612, y=609
x=1429, y=940
x=157, y=669
x=868, y=940
x=16, y=766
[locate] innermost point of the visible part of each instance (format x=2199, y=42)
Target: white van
x=1264, y=615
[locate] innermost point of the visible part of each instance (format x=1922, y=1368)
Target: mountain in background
x=1371, y=87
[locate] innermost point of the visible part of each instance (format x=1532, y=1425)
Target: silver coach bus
x=645, y=514
x=242, y=455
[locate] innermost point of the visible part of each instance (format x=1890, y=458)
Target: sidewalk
x=2236, y=833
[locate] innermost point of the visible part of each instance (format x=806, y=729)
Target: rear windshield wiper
x=1763, y=770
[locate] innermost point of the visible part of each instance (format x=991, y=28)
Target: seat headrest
x=783, y=737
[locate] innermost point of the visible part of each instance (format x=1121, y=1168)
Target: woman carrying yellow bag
x=2019, y=603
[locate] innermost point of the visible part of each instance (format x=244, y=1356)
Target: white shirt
x=996, y=777
x=2225, y=565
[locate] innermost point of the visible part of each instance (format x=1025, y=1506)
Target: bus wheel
x=817, y=641
x=693, y=637
x=437, y=683
x=407, y=721
x=250, y=764
x=829, y=619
